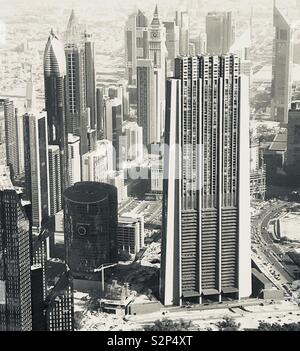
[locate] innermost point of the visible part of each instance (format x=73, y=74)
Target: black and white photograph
x=149, y=168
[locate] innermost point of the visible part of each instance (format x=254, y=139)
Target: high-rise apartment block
x=206, y=201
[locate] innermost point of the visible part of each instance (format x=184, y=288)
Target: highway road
x=263, y=242
x=249, y=315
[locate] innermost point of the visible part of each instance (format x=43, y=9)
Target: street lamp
x=101, y=269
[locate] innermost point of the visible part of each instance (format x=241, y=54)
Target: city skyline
x=148, y=164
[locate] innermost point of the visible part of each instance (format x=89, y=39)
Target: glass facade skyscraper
x=15, y=283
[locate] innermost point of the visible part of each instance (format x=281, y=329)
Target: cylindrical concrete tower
x=90, y=223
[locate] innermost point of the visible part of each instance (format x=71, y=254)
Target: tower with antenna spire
x=80, y=87
x=158, y=54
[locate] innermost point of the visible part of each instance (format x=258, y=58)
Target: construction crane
x=101, y=269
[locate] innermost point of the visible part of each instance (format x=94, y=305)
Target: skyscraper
x=90, y=78
x=15, y=284
x=76, y=81
x=134, y=141
x=281, y=67
x=55, y=195
x=200, y=43
x=220, y=32
x=11, y=136
x=90, y=220
x=55, y=88
x=293, y=141
x=157, y=53
x=74, y=159
x=146, y=101
x=182, y=20
x=112, y=126
x=97, y=164
x=131, y=233
x=59, y=304
x=100, y=108
x=206, y=226
x=136, y=44
x=36, y=167
x=172, y=44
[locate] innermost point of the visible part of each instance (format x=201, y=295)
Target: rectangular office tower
x=36, y=167
x=11, y=135
x=220, y=32
x=282, y=64
x=15, y=284
x=206, y=247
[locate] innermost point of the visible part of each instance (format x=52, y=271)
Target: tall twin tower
x=70, y=90
x=206, y=243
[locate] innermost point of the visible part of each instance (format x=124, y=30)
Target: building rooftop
x=88, y=192
x=54, y=57
x=155, y=20
x=280, y=142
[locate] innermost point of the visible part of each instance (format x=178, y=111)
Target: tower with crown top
x=158, y=53
x=157, y=41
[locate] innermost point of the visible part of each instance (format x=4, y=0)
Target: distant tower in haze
x=281, y=67
x=182, y=20
x=220, y=32
x=206, y=242
x=136, y=44
x=172, y=44
x=55, y=86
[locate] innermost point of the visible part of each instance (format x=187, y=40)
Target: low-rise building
x=130, y=233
